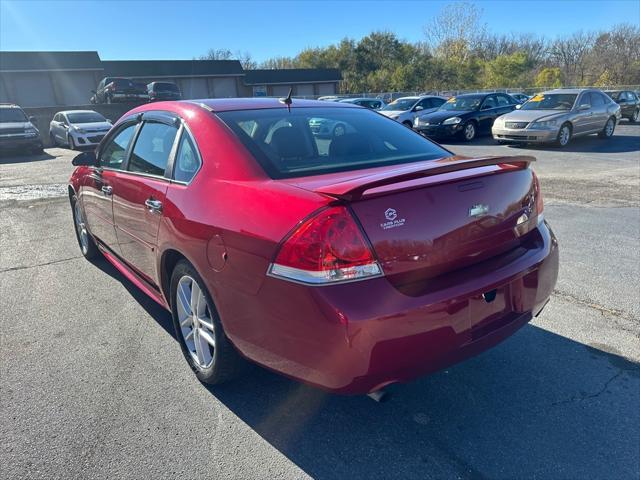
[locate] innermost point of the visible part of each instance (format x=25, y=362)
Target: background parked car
x=163, y=91
x=78, y=128
x=112, y=89
x=465, y=116
x=406, y=109
x=17, y=131
x=629, y=103
x=372, y=103
x=557, y=116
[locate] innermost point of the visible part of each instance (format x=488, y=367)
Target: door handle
x=107, y=190
x=153, y=205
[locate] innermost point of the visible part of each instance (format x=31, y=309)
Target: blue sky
x=121, y=30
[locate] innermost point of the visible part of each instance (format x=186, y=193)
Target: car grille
x=516, y=124
x=96, y=138
x=11, y=131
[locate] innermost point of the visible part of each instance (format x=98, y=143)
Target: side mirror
x=417, y=108
x=33, y=120
x=518, y=106
x=85, y=159
x=584, y=106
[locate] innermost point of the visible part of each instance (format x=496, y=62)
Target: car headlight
x=544, y=124
x=452, y=121
x=79, y=130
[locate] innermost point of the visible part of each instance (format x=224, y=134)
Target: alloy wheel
x=196, y=323
x=634, y=117
x=469, y=131
x=564, y=135
x=338, y=131
x=81, y=227
x=608, y=128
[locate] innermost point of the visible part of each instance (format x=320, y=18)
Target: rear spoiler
x=354, y=189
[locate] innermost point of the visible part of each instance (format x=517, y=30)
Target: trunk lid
x=430, y=218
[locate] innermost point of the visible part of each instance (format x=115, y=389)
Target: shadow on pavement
x=537, y=406
x=13, y=157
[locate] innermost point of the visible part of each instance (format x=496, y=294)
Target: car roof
x=10, y=105
x=228, y=104
x=570, y=90
x=346, y=100
x=66, y=112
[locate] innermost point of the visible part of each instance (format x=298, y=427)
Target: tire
x=469, y=131
x=72, y=145
x=339, y=130
x=86, y=243
x=608, y=129
x=208, y=351
x=564, y=135
x=634, y=116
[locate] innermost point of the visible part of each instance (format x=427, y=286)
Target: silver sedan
x=557, y=116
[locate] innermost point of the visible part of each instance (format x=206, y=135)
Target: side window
x=438, y=102
x=489, y=102
x=503, y=101
x=187, y=160
x=597, y=100
x=56, y=117
x=152, y=148
x=113, y=153
x=425, y=103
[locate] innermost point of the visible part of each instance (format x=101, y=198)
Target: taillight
x=327, y=248
x=538, y=194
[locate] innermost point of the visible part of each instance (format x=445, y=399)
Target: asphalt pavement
x=93, y=384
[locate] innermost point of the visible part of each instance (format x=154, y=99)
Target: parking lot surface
x=93, y=383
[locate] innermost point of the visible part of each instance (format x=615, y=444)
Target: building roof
x=292, y=75
x=38, y=61
x=171, y=68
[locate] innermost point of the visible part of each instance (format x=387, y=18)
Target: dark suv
x=114, y=89
x=163, y=91
x=17, y=132
x=629, y=103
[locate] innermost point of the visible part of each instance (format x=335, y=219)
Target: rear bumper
x=358, y=337
x=524, y=135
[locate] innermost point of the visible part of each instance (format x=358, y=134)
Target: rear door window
x=151, y=151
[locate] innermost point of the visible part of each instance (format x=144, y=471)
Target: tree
x=570, y=55
x=549, y=77
x=507, y=70
x=244, y=58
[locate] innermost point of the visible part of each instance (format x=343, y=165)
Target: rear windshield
x=614, y=95
x=165, y=87
x=8, y=115
x=85, y=117
x=462, y=103
x=401, y=104
x=122, y=83
x=312, y=141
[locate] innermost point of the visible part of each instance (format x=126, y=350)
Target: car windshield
x=165, y=87
x=462, y=103
x=401, y=104
x=550, y=101
x=85, y=117
x=8, y=115
x=614, y=95
x=312, y=141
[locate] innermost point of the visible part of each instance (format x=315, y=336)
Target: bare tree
x=571, y=53
x=456, y=30
x=244, y=58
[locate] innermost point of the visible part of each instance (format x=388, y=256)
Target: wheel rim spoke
x=195, y=322
x=207, y=337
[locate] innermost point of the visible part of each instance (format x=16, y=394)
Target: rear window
x=165, y=87
x=312, y=141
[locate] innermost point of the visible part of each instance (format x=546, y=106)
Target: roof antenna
x=288, y=101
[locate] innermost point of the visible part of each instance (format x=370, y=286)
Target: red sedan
x=348, y=261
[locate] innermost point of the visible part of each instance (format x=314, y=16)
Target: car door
x=487, y=113
x=139, y=192
x=627, y=104
x=96, y=193
x=600, y=115
x=582, y=119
